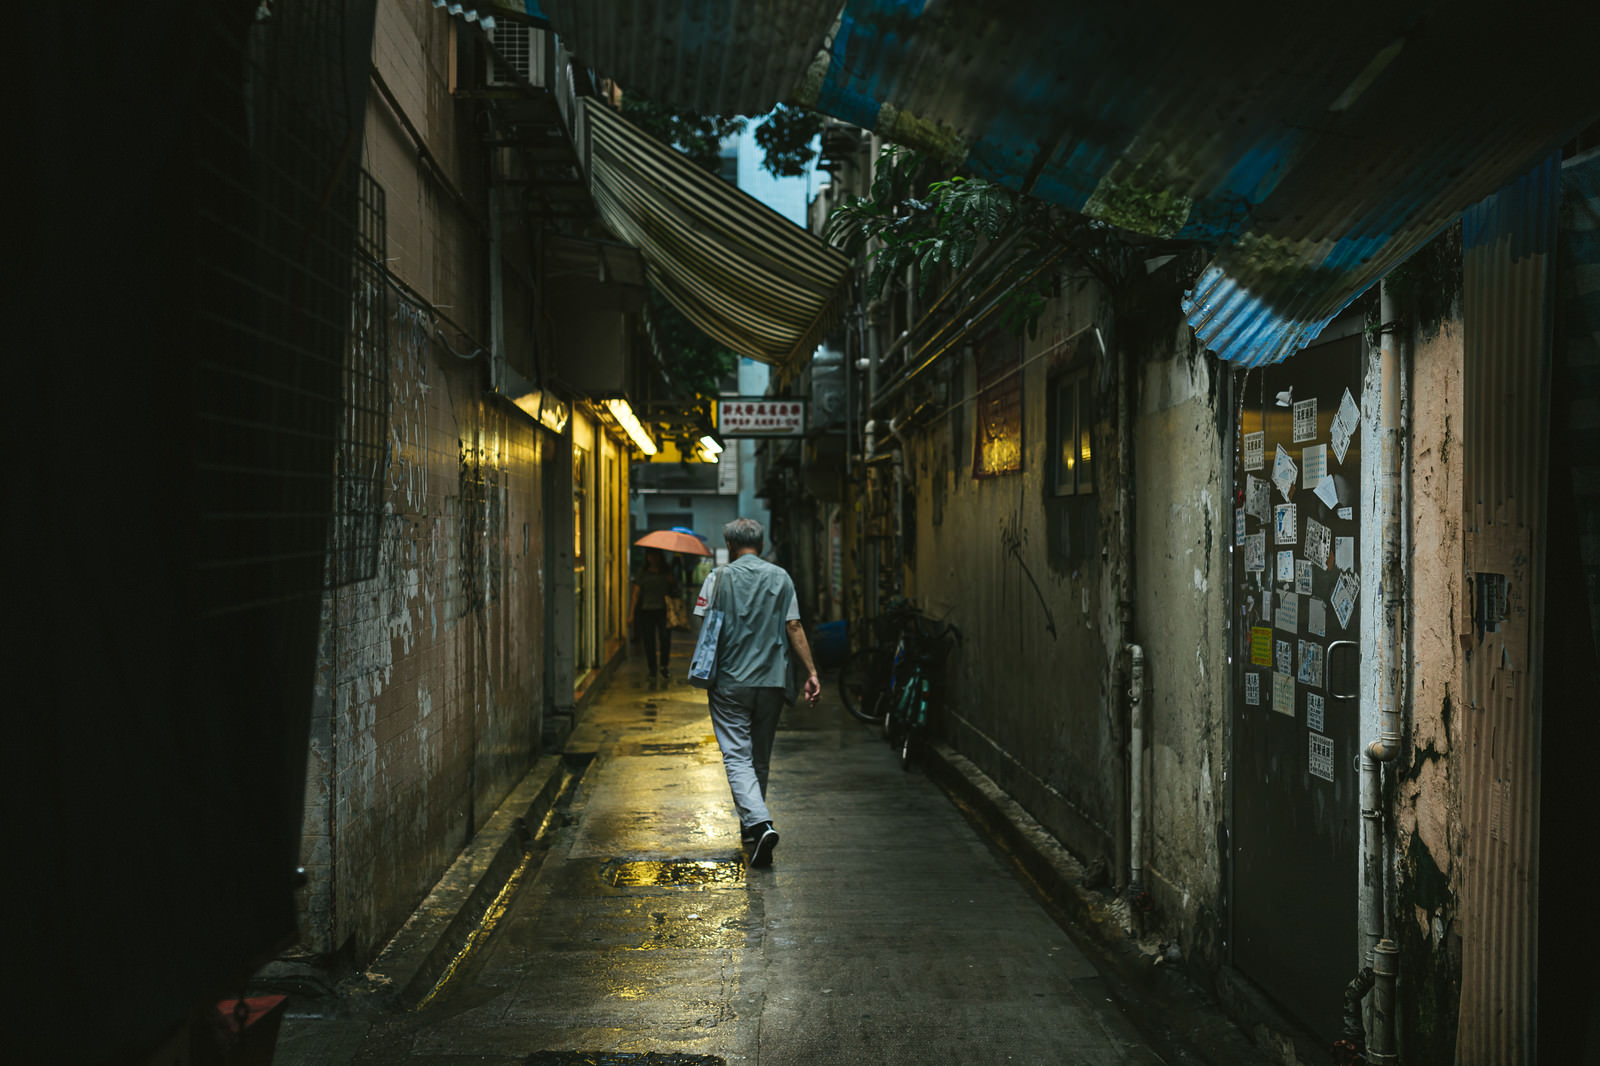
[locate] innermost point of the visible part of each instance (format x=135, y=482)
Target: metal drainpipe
x=870, y=545
x=497, y=303
x=1136, y=770
x=1124, y=584
x=1381, y=953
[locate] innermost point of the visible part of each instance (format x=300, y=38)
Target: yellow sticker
x=1260, y=645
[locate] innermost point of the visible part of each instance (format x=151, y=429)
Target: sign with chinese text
x=760, y=416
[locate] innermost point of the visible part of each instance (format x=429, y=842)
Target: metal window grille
x=364, y=422
x=514, y=43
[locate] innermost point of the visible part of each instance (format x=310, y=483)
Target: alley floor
x=886, y=930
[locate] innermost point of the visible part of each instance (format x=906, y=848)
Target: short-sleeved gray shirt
x=755, y=641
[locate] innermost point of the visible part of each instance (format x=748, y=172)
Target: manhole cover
x=648, y=873
x=623, y=1058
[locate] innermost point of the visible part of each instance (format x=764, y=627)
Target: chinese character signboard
x=760, y=416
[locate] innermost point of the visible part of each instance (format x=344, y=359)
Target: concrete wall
x=430, y=685
x=1427, y=804
x=1037, y=687
x=1183, y=528
x=1031, y=684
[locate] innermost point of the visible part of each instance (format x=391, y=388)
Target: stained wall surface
x=1031, y=683
x=1183, y=529
x=430, y=684
x=1034, y=579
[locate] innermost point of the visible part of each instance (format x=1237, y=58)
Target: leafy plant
x=914, y=225
x=785, y=138
x=698, y=365
x=698, y=137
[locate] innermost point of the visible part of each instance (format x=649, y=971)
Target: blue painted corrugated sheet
x=1315, y=149
x=1315, y=152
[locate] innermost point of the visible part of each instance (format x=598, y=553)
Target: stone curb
x=441, y=927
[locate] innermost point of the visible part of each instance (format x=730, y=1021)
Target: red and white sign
x=761, y=416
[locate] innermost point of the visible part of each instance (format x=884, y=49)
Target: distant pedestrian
x=760, y=628
x=647, y=616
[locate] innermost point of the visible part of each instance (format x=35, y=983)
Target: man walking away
x=760, y=627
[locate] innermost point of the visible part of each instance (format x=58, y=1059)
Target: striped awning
x=747, y=276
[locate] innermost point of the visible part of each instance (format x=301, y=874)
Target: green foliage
x=910, y=225
x=785, y=138
x=696, y=363
x=699, y=137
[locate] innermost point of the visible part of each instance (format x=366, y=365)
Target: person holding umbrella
x=647, y=616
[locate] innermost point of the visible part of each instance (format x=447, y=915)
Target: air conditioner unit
x=513, y=43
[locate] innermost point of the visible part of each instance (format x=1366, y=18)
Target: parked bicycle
x=896, y=681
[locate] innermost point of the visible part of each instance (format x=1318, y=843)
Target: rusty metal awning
x=743, y=273
x=1315, y=153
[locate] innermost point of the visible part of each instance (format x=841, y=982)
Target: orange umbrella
x=673, y=541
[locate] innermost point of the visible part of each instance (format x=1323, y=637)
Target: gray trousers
x=745, y=721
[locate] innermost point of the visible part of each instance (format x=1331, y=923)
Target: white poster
x=1328, y=492
x=1257, y=498
x=1284, y=472
x=1345, y=592
x=1252, y=688
x=1302, y=576
x=1314, y=714
x=1320, y=761
x=1344, y=553
x=1318, y=538
x=1311, y=672
x=1317, y=616
x=1255, y=551
x=1255, y=448
x=1285, y=523
x=1313, y=465
x=1283, y=694
x=1285, y=569
x=1305, y=420
x=1288, y=613
x=1344, y=425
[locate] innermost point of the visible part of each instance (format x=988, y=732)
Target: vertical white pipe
x=1372, y=908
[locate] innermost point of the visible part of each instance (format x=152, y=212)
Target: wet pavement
x=886, y=931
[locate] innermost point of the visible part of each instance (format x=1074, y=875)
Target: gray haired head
x=744, y=533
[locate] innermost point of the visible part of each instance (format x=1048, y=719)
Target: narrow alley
x=886, y=931
x=1175, y=430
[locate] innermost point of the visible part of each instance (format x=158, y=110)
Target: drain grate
x=621, y=1058
x=649, y=873
x=685, y=747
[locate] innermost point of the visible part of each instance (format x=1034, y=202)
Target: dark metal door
x=1296, y=817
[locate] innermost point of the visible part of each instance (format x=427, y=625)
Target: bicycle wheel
x=860, y=681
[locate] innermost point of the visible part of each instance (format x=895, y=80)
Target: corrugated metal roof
x=732, y=57
x=1508, y=254
x=1316, y=150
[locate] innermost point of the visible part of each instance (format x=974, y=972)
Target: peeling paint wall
x=436, y=660
x=1183, y=527
x=1427, y=806
x=430, y=682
